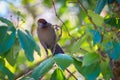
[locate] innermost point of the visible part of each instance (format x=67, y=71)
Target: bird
x=48, y=37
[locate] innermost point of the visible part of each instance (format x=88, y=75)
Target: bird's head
x=42, y=23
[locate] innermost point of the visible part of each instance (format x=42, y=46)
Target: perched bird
x=48, y=37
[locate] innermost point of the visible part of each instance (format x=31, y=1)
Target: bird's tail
x=58, y=50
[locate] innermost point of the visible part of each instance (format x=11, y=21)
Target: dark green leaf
x=113, y=21
x=90, y=72
x=113, y=50
x=106, y=69
x=77, y=64
x=90, y=58
x=8, y=73
x=5, y=70
x=2, y=63
x=28, y=44
x=63, y=60
x=96, y=36
x=110, y=21
x=36, y=45
x=7, y=38
x=2, y=75
x=43, y=68
x=6, y=21
x=12, y=54
x=100, y=5
x=58, y=75
x=110, y=1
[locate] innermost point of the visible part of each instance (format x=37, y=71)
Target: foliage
x=10, y=46
x=90, y=41
x=58, y=74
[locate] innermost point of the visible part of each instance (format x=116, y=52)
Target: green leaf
x=6, y=21
x=47, y=3
x=12, y=54
x=76, y=45
x=90, y=58
x=63, y=60
x=90, y=72
x=26, y=2
x=7, y=38
x=58, y=75
x=97, y=19
x=63, y=8
x=113, y=50
x=43, y=68
x=28, y=44
x=77, y=64
x=106, y=69
x=36, y=45
x=96, y=36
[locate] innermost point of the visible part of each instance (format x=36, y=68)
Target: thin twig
x=81, y=5
x=18, y=21
x=72, y=2
x=60, y=19
x=83, y=50
x=29, y=70
x=71, y=74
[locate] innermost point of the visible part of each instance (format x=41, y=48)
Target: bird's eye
x=44, y=22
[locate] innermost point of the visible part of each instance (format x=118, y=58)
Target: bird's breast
x=48, y=36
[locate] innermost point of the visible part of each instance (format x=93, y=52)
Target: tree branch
x=61, y=19
x=29, y=70
x=72, y=74
x=81, y=5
